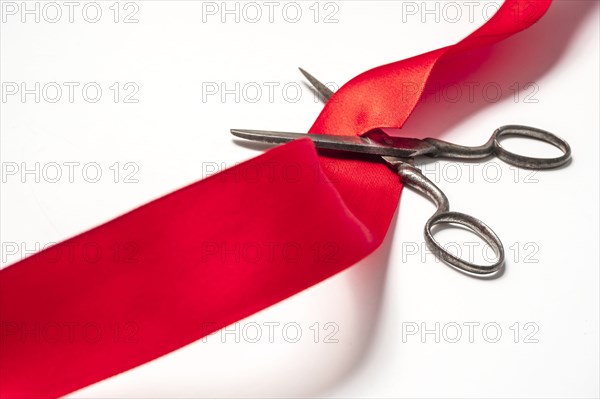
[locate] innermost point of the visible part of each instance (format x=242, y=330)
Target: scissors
x=399, y=154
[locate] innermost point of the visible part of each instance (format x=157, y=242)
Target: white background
x=175, y=134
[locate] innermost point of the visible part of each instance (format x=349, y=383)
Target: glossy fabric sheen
x=177, y=269
x=387, y=95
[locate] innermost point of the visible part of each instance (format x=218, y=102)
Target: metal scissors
x=399, y=153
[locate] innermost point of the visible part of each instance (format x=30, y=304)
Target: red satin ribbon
x=206, y=256
x=387, y=95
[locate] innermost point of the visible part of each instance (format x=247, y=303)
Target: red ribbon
x=206, y=256
x=387, y=95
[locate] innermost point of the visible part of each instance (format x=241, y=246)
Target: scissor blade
x=323, y=90
x=357, y=144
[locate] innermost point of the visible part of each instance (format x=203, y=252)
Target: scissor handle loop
x=522, y=161
x=413, y=177
x=474, y=225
